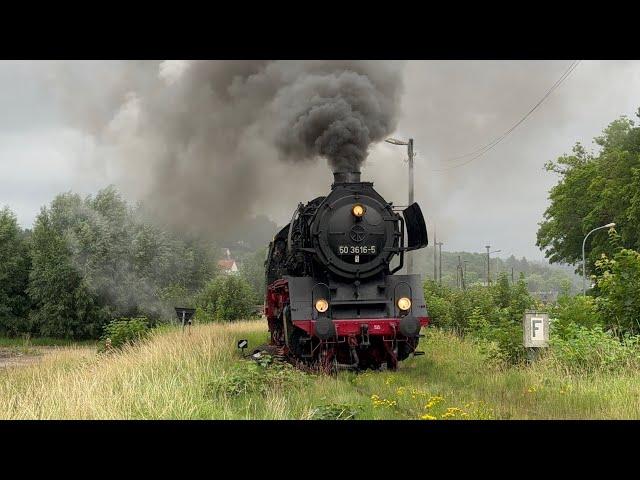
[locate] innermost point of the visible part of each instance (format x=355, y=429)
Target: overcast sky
x=449, y=108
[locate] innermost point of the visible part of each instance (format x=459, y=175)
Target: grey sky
x=449, y=108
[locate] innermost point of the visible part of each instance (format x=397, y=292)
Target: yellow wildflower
x=452, y=412
x=433, y=401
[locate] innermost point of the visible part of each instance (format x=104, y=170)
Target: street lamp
x=489, y=262
x=584, y=268
x=409, y=144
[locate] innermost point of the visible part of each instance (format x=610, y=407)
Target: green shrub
x=175, y=295
x=507, y=333
x=618, y=284
x=587, y=350
x=502, y=292
x=492, y=316
x=15, y=264
x=249, y=377
x=571, y=311
x=124, y=331
x=336, y=411
x=225, y=298
x=491, y=350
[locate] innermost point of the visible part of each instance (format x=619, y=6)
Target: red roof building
x=228, y=266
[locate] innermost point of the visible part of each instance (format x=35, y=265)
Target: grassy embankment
x=195, y=376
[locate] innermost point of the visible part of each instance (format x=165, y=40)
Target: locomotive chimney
x=346, y=177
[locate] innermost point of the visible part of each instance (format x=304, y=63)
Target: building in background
x=228, y=265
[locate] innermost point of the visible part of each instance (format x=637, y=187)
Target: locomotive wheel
x=296, y=347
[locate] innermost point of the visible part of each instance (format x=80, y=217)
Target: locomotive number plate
x=357, y=250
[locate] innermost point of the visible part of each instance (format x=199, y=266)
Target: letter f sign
x=534, y=326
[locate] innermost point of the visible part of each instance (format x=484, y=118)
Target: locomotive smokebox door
x=416, y=228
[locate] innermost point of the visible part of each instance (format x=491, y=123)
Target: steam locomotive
x=332, y=298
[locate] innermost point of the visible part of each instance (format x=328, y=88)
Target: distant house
x=546, y=297
x=228, y=266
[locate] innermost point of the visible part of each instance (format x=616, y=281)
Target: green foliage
x=618, y=283
x=336, y=411
x=502, y=292
x=225, y=298
x=96, y=259
x=252, y=271
x=570, y=312
x=63, y=305
x=492, y=315
x=124, y=331
x=250, y=377
x=520, y=299
x=594, y=190
x=539, y=275
x=14, y=276
x=177, y=295
x=584, y=349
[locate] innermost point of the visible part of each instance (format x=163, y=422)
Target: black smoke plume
x=200, y=142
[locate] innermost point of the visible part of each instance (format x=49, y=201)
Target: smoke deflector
x=416, y=228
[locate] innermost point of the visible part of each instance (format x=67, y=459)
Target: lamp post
x=584, y=268
x=409, y=145
x=489, y=262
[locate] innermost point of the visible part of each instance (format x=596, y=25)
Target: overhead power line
x=477, y=153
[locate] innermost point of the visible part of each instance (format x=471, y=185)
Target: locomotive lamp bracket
x=364, y=333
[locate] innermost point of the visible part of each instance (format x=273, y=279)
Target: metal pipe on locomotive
x=332, y=295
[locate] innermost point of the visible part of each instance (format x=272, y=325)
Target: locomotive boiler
x=333, y=297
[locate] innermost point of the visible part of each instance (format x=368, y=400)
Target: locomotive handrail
x=402, y=249
x=291, y=227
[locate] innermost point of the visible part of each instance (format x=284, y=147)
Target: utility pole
x=440, y=268
x=488, y=247
x=435, y=265
x=410, y=152
x=460, y=275
x=463, y=272
x=513, y=282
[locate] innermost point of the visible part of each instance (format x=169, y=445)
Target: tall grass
x=175, y=375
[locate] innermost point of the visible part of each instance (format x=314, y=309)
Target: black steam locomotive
x=332, y=297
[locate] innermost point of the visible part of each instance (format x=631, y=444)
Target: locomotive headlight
x=322, y=305
x=404, y=304
x=358, y=210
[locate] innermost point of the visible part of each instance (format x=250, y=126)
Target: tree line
x=539, y=277
x=593, y=190
x=91, y=260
